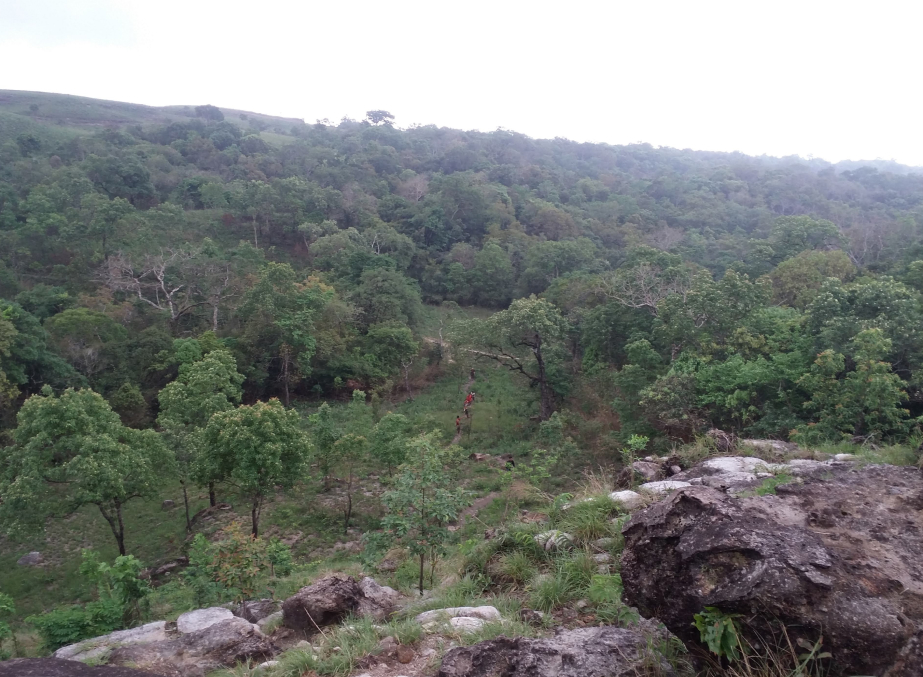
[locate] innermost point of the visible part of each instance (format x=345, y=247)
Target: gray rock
x=195, y=654
x=836, y=554
x=486, y=613
x=167, y=505
x=89, y=649
x=554, y=540
x=378, y=601
x=193, y=621
x=532, y=616
x=322, y=603
x=603, y=543
x=256, y=609
x=56, y=667
x=649, y=471
x=627, y=500
x=663, y=486
x=585, y=652
x=271, y=618
x=602, y=558
x=31, y=559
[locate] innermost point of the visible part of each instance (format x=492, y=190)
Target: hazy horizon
x=828, y=80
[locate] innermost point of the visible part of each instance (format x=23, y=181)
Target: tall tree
x=71, y=451
x=257, y=448
x=525, y=338
x=201, y=390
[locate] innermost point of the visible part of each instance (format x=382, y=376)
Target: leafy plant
x=67, y=625
x=7, y=609
x=719, y=631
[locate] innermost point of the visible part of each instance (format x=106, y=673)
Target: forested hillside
x=712, y=289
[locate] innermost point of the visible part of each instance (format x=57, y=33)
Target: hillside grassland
x=283, y=317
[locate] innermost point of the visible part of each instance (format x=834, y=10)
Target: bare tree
x=158, y=280
x=644, y=286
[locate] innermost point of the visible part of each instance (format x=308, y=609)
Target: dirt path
x=473, y=509
x=458, y=435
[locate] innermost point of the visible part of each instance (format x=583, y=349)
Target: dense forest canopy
x=778, y=297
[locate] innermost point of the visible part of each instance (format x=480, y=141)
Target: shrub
x=67, y=625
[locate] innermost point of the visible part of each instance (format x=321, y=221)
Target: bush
x=67, y=625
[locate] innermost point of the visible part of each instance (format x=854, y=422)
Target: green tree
x=85, y=338
x=257, y=448
x=522, y=338
x=390, y=438
x=325, y=432
x=796, y=281
x=425, y=498
x=349, y=450
x=71, y=451
x=866, y=401
x=492, y=276
x=202, y=389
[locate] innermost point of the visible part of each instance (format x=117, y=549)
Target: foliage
x=256, y=448
x=68, y=625
x=7, y=609
x=73, y=451
x=425, y=497
x=120, y=581
x=719, y=632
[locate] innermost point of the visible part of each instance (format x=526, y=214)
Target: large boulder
x=324, y=602
x=57, y=667
x=96, y=648
x=193, y=621
x=585, y=652
x=837, y=553
x=220, y=645
x=377, y=601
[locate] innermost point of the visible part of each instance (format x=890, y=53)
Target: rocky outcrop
x=838, y=552
x=256, y=610
x=98, y=647
x=195, y=654
x=334, y=597
x=378, y=601
x=459, y=618
x=585, y=652
x=31, y=559
x=193, y=621
x=56, y=667
x=322, y=603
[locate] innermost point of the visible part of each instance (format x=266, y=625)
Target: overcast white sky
x=838, y=80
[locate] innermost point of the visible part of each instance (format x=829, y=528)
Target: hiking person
x=458, y=425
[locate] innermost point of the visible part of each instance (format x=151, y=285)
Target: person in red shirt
x=457, y=424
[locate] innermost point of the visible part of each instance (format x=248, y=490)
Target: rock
x=486, y=613
x=554, y=540
x=604, y=543
x=193, y=621
x=627, y=500
x=405, y=654
x=322, y=603
x=256, y=610
x=31, y=559
x=195, y=654
x=845, y=457
x=649, y=471
x=663, y=486
x=585, y=652
x=774, y=448
x=838, y=554
x=387, y=566
x=89, y=649
x=378, y=601
x=675, y=470
x=532, y=616
x=164, y=570
x=55, y=667
x=388, y=644
x=263, y=623
x=267, y=664
x=466, y=624
x=167, y=505
x=724, y=443
x=602, y=558
x=479, y=457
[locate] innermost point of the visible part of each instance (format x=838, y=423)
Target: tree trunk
x=186, y=504
x=546, y=406
x=215, y=317
x=255, y=242
x=421, y=573
x=211, y=495
x=348, y=512
x=255, y=516
x=118, y=529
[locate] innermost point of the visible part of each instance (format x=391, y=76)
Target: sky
x=836, y=80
